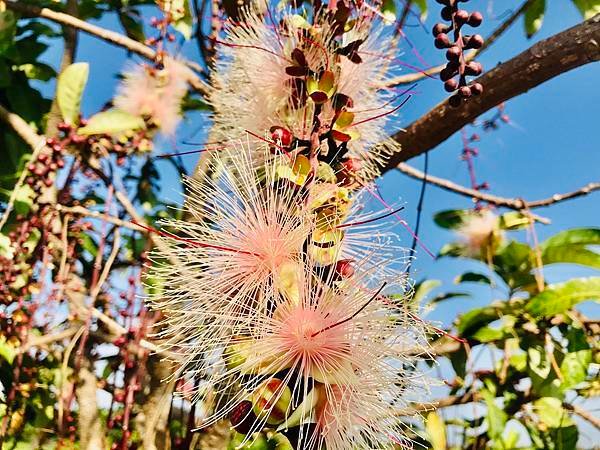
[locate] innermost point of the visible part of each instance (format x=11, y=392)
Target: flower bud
x=242, y=417
x=439, y=28
x=476, y=89
x=475, y=19
x=283, y=135
x=271, y=401
x=442, y=41
x=451, y=85
x=344, y=268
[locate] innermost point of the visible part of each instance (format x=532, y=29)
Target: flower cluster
x=275, y=287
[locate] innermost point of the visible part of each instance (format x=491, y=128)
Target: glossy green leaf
x=473, y=277
x=69, y=90
x=558, y=298
x=436, y=431
x=112, y=121
x=534, y=16
x=423, y=288
x=587, y=8
x=574, y=246
x=453, y=218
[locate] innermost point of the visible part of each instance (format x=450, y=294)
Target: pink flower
x=155, y=94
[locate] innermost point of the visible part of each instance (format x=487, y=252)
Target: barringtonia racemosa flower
x=320, y=82
x=341, y=357
x=155, y=94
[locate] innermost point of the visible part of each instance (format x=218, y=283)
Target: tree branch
x=412, y=77
x=451, y=400
x=547, y=59
x=107, y=35
x=583, y=413
x=512, y=203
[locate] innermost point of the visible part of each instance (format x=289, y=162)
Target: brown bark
x=547, y=59
x=91, y=432
x=154, y=411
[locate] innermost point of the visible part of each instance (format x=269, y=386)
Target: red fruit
x=476, y=89
x=283, y=135
x=441, y=41
x=461, y=16
x=450, y=85
x=453, y=53
x=475, y=19
x=242, y=417
x=439, y=28
x=344, y=268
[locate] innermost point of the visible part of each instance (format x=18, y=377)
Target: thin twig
x=511, y=203
x=81, y=211
x=583, y=413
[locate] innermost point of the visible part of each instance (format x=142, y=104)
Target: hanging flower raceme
x=320, y=83
x=271, y=287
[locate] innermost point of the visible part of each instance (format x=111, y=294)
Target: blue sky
x=552, y=146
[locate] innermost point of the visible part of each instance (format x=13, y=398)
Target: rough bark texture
x=545, y=60
x=154, y=413
x=91, y=433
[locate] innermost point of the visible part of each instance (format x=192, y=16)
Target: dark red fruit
x=451, y=85
x=475, y=19
x=242, y=417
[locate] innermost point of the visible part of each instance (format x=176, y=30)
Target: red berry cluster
x=457, y=64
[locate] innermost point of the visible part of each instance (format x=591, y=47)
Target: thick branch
x=512, y=203
x=102, y=33
x=547, y=59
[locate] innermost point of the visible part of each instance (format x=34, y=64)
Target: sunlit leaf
x=112, y=121
x=69, y=90
x=587, y=8
x=560, y=297
x=534, y=16
x=436, y=430
x=576, y=246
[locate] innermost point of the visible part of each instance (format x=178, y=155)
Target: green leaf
x=534, y=16
x=422, y=4
x=495, y=418
x=6, y=248
x=513, y=264
x=448, y=296
x=423, y=288
x=475, y=319
x=488, y=334
x=112, y=121
x=454, y=249
x=388, y=9
x=575, y=364
x=436, y=430
x=560, y=297
x=38, y=71
x=132, y=25
x=8, y=27
x=473, y=277
x=513, y=220
x=573, y=246
x=587, y=8
x=69, y=90
x=551, y=413
x=24, y=199
x=453, y=218
x=183, y=20
x=7, y=351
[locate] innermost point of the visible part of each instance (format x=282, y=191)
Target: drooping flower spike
x=319, y=82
